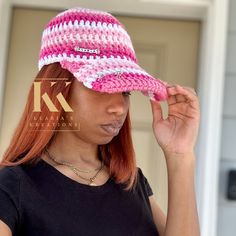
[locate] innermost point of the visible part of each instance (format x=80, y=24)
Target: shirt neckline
x=58, y=174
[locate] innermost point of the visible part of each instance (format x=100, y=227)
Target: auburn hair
x=26, y=145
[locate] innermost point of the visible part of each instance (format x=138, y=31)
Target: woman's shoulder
x=7, y=172
x=9, y=175
x=10, y=179
x=16, y=173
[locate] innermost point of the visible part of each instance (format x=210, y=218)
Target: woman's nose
x=118, y=104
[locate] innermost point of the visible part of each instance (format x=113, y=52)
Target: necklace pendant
x=92, y=183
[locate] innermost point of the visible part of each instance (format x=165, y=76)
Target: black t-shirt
x=38, y=200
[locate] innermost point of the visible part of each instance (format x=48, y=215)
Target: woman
x=70, y=168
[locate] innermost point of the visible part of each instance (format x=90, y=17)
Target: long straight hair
x=26, y=146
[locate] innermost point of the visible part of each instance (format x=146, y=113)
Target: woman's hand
x=177, y=134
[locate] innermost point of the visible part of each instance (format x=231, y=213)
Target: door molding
x=213, y=16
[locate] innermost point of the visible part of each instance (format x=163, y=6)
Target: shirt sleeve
x=9, y=212
x=145, y=183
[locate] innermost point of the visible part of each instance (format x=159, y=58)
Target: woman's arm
x=177, y=135
x=4, y=229
x=159, y=216
x=182, y=216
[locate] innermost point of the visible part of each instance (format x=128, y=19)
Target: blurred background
x=186, y=42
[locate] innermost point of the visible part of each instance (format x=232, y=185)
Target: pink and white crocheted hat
x=95, y=47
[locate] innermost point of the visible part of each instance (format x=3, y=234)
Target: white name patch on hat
x=79, y=49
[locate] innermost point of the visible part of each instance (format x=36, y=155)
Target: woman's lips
x=111, y=129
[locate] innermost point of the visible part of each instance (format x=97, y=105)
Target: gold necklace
x=75, y=170
x=68, y=164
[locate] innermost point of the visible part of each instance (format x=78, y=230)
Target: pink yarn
x=85, y=15
x=95, y=47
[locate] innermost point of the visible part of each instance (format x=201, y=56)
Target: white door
x=167, y=49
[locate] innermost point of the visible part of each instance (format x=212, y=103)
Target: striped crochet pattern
x=95, y=47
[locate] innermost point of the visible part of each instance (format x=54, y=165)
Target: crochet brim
x=113, y=75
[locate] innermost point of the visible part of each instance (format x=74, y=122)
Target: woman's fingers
x=191, y=90
x=181, y=94
x=177, y=94
x=156, y=110
x=178, y=98
x=178, y=86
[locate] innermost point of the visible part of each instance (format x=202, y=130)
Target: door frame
x=213, y=14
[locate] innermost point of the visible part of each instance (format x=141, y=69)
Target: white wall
x=227, y=208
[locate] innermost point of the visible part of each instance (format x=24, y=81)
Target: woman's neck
x=68, y=148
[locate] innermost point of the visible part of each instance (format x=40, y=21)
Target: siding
x=227, y=208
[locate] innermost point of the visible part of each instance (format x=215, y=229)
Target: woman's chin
x=104, y=141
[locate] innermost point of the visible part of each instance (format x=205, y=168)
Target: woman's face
x=100, y=115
